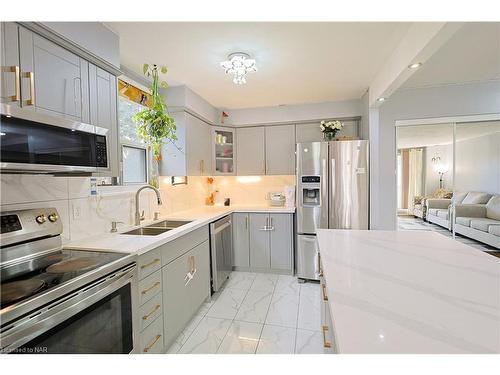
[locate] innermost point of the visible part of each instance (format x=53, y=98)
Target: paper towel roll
x=289, y=196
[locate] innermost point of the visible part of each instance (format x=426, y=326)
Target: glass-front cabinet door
x=224, y=151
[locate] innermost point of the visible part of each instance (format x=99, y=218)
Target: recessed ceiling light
x=415, y=65
x=381, y=99
x=239, y=64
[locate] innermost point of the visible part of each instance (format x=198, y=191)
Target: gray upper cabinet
x=10, y=80
x=103, y=112
x=250, y=147
x=281, y=238
x=260, y=250
x=280, y=150
x=53, y=80
x=241, y=238
x=192, y=153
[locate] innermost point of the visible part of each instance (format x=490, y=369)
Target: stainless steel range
x=55, y=300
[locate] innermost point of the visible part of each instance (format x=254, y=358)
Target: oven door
x=98, y=319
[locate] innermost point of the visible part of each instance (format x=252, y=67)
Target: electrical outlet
x=77, y=211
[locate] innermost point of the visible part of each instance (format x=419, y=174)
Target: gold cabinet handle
x=323, y=288
x=31, y=76
x=148, y=315
x=153, y=343
x=326, y=344
x=151, y=287
x=156, y=260
x=15, y=69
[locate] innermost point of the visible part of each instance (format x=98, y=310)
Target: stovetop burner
x=32, y=277
x=72, y=265
x=17, y=290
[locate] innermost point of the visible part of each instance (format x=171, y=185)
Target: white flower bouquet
x=330, y=128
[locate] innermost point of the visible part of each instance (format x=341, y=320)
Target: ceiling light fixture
x=381, y=99
x=239, y=64
x=415, y=65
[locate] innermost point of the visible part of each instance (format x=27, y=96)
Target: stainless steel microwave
x=32, y=142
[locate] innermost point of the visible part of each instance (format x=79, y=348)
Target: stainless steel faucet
x=138, y=216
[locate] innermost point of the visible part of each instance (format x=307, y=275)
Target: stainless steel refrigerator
x=332, y=192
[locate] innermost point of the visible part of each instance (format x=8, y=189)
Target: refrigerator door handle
x=332, y=176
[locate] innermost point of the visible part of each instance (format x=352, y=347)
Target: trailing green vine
x=154, y=123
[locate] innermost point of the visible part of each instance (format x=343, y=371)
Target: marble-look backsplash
x=84, y=215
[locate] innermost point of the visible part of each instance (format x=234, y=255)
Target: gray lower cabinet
x=263, y=241
x=281, y=239
x=183, y=296
x=167, y=297
x=260, y=246
x=150, y=311
x=241, y=238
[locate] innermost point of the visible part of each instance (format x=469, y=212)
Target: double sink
x=157, y=228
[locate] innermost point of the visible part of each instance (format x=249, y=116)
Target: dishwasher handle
x=222, y=227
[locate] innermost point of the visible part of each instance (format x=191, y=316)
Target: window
x=135, y=155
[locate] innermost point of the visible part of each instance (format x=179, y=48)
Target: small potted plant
x=330, y=129
x=155, y=123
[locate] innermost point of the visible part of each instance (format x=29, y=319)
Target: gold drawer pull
x=148, y=348
x=323, y=288
x=326, y=344
x=150, y=263
x=151, y=287
x=146, y=317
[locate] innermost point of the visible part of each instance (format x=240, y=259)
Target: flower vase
x=329, y=136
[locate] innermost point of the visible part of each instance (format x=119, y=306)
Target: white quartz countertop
x=133, y=244
x=410, y=292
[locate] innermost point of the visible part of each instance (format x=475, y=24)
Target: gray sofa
x=479, y=221
x=438, y=211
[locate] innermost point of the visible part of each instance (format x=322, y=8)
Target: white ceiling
x=472, y=54
x=442, y=134
x=297, y=62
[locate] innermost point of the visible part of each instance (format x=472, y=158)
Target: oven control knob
x=53, y=217
x=40, y=219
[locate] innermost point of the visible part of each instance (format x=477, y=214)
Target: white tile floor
x=414, y=223
x=256, y=313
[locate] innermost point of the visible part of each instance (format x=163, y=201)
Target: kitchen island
x=407, y=292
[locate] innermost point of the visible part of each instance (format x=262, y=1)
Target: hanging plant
x=154, y=122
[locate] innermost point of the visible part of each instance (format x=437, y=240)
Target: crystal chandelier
x=239, y=64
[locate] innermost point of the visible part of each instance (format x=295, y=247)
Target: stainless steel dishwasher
x=221, y=250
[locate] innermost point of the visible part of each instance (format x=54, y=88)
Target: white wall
x=429, y=102
x=477, y=165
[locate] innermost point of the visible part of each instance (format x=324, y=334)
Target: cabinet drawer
x=327, y=331
x=150, y=311
x=181, y=245
x=149, y=263
x=149, y=287
x=151, y=339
